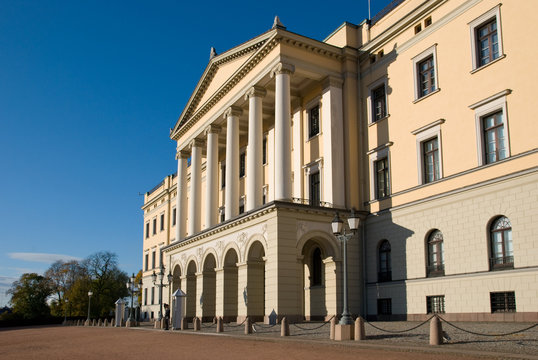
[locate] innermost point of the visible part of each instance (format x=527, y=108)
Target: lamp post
x=90, y=293
x=160, y=285
x=340, y=233
x=133, y=287
x=65, y=310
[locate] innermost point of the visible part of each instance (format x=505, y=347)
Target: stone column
x=231, y=206
x=212, y=183
x=199, y=294
x=332, y=124
x=282, y=176
x=242, y=291
x=254, y=148
x=219, y=298
x=181, y=197
x=195, y=193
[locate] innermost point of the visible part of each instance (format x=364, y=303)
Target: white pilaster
x=231, y=206
x=212, y=184
x=254, y=148
x=181, y=198
x=332, y=125
x=297, y=161
x=195, y=193
x=282, y=176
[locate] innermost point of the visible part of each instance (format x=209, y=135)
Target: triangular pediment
x=219, y=71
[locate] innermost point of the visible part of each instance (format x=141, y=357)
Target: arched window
x=436, y=258
x=502, y=252
x=385, y=270
x=316, y=268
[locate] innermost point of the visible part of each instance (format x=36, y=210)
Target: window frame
x=147, y=230
x=417, y=60
x=484, y=108
x=174, y=216
x=385, y=303
x=384, y=274
x=507, y=261
x=435, y=304
x=374, y=156
x=154, y=225
x=314, y=131
x=315, y=167
x=264, y=149
x=162, y=221
x=435, y=268
x=422, y=135
x=242, y=163
x=494, y=13
x=509, y=299
x=383, y=81
x=223, y=174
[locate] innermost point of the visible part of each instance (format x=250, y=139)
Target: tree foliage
x=65, y=287
x=29, y=296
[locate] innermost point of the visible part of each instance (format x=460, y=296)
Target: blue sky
x=88, y=93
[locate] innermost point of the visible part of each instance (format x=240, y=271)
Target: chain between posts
x=318, y=327
x=482, y=334
x=237, y=324
x=399, y=331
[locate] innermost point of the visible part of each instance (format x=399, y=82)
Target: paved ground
x=71, y=342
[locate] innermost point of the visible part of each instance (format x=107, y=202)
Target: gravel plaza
x=306, y=340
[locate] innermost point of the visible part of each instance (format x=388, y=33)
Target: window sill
x=488, y=64
x=313, y=137
x=426, y=96
x=379, y=120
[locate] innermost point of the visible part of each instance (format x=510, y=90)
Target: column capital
x=196, y=143
x=255, y=91
x=233, y=111
x=282, y=68
x=182, y=154
x=332, y=81
x=212, y=129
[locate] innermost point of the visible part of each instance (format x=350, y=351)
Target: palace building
x=419, y=119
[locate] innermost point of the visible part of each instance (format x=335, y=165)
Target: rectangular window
x=384, y=306
x=152, y=295
x=487, y=43
x=418, y=28
x=147, y=230
x=382, y=178
x=315, y=189
x=146, y=262
x=242, y=164
x=154, y=226
x=174, y=216
x=486, y=38
x=153, y=260
x=313, y=121
x=503, y=301
x=222, y=175
x=222, y=214
x=426, y=76
x=145, y=296
x=427, y=21
x=162, y=222
x=430, y=154
x=494, y=141
x=379, y=105
x=264, y=150
x=425, y=73
x=264, y=196
x=435, y=304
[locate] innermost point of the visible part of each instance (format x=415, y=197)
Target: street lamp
x=65, y=310
x=160, y=285
x=90, y=293
x=132, y=287
x=340, y=233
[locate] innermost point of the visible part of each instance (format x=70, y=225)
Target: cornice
x=247, y=217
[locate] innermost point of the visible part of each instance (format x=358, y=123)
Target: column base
x=344, y=332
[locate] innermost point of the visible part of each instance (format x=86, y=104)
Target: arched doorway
x=208, y=288
x=191, y=291
x=255, y=291
x=176, y=282
x=230, y=286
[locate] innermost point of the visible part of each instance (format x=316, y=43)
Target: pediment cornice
x=259, y=47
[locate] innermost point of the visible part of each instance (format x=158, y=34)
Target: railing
x=312, y=203
x=383, y=276
x=436, y=270
x=156, y=187
x=501, y=262
x=385, y=11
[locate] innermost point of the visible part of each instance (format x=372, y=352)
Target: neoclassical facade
x=417, y=118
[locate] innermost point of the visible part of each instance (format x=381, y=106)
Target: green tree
x=107, y=282
x=62, y=276
x=29, y=296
